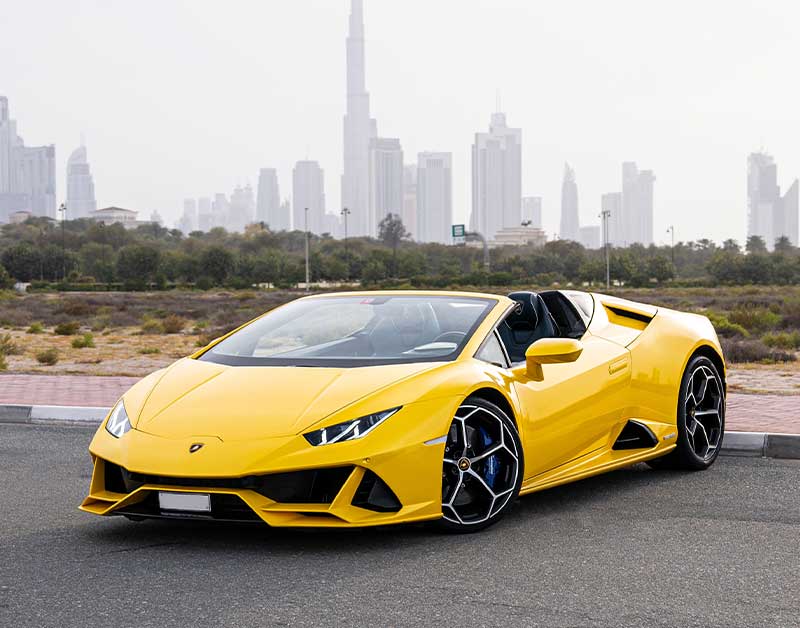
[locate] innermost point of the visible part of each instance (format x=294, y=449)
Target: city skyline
x=698, y=187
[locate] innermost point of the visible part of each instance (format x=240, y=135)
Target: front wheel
x=482, y=467
x=701, y=419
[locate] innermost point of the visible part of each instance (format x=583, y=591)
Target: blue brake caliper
x=491, y=466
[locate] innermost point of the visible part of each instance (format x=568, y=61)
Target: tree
x=783, y=245
x=6, y=281
x=21, y=261
x=660, y=268
x=137, y=265
x=216, y=263
x=392, y=232
x=755, y=244
x=731, y=245
x=97, y=260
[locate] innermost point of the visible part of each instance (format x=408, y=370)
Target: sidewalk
x=777, y=414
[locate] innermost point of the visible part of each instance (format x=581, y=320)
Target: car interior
x=538, y=315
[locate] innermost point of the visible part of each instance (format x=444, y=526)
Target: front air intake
x=635, y=435
x=373, y=494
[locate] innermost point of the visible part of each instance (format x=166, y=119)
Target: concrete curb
x=753, y=444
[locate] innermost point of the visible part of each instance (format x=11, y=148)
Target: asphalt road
x=632, y=548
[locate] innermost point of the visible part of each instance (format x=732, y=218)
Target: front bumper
x=390, y=476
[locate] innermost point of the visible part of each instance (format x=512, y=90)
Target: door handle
x=618, y=365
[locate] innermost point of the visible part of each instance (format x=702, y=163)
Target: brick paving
x=778, y=414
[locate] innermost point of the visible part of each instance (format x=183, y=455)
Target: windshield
x=355, y=331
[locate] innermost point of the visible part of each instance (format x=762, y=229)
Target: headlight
x=350, y=430
x=118, y=423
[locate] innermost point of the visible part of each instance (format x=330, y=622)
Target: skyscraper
x=80, y=185
x=434, y=197
x=631, y=219
x=242, y=208
x=532, y=211
x=496, y=178
x=409, y=213
x=385, y=180
x=359, y=129
x=27, y=173
x=268, y=206
x=188, y=221
x=770, y=215
x=570, y=222
x=308, y=192
x=205, y=214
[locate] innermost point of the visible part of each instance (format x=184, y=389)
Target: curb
x=747, y=444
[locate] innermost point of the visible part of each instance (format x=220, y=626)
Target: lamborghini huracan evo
x=372, y=408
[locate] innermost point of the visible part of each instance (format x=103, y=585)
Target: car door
x=571, y=411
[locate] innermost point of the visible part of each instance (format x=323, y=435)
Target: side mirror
x=551, y=351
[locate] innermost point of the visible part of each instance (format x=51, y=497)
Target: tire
x=482, y=467
x=701, y=419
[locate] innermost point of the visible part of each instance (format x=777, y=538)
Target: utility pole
x=308, y=274
x=63, y=210
x=605, y=215
x=671, y=229
x=345, y=213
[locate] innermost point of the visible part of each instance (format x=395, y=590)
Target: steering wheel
x=450, y=336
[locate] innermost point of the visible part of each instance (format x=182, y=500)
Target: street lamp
x=345, y=213
x=671, y=229
x=605, y=215
x=308, y=274
x=63, y=210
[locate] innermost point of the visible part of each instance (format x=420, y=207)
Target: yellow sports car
x=373, y=408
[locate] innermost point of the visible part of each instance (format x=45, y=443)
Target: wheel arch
x=492, y=395
x=710, y=352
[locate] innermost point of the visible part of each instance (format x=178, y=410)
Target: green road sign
x=459, y=231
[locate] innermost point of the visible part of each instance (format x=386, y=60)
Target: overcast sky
x=185, y=99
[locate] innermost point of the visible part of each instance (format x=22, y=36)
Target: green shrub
x=35, y=328
x=83, y=342
x=67, y=329
x=6, y=281
x=725, y=328
x=755, y=319
x=783, y=340
x=753, y=351
x=8, y=346
x=100, y=323
x=173, y=324
x=48, y=357
x=149, y=350
x=3, y=363
x=152, y=326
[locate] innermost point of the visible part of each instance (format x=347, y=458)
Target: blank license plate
x=184, y=502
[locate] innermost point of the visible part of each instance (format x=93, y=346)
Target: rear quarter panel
x=659, y=356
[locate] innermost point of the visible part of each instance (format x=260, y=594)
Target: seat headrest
x=525, y=313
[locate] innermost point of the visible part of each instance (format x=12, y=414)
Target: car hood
x=232, y=403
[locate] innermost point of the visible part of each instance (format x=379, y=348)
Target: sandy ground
x=773, y=379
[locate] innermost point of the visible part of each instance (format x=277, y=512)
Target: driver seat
x=530, y=321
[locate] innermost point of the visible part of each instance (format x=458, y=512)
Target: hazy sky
x=189, y=98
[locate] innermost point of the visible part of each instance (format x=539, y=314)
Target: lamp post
x=308, y=274
x=605, y=215
x=63, y=210
x=671, y=230
x=345, y=213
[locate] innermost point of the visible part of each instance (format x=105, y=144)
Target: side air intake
x=635, y=435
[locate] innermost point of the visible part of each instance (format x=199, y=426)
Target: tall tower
x=570, y=222
x=496, y=178
x=308, y=192
x=359, y=128
x=434, y=197
x=80, y=185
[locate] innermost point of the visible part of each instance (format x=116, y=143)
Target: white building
x=241, y=211
x=770, y=215
x=219, y=210
x=590, y=236
x=496, y=178
x=205, y=214
x=359, y=129
x=409, y=213
x=80, y=185
x=434, y=197
x=116, y=215
x=268, y=205
x=532, y=211
x=308, y=193
x=188, y=221
x=385, y=181
x=570, y=222
x=631, y=219
x=612, y=204
x=517, y=236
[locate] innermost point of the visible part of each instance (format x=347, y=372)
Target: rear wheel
x=482, y=467
x=701, y=419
